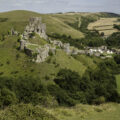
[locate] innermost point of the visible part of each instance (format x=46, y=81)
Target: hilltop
x=55, y=23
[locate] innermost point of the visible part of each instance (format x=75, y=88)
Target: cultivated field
x=104, y=25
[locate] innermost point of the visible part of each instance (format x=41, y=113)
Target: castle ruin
x=35, y=26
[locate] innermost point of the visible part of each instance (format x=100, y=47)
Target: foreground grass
x=108, y=111
x=25, y=112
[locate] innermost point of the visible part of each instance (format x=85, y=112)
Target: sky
x=54, y=6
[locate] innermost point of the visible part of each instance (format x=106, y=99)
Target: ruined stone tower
x=35, y=26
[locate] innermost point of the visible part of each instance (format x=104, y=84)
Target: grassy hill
x=18, y=20
x=56, y=23
x=14, y=63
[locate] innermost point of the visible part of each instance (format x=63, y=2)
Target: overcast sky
x=53, y=6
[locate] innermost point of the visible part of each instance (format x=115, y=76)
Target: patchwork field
x=104, y=25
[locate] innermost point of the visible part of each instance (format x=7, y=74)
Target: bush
x=113, y=40
x=117, y=26
x=25, y=112
x=17, y=56
x=7, y=97
x=99, y=100
x=32, y=35
x=61, y=96
x=117, y=59
x=8, y=62
x=1, y=73
x=89, y=88
x=47, y=77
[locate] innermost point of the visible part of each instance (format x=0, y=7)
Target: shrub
x=113, y=40
x=99, y=100
x=61, y=96
x=1, y=73
x=3, y=19
x=117, y=59
x=25, y=112
x=47, y=77
x=17, y=56
x=117, y=26
x=7, y=97
x=32, y=35
x=32, y=70
x=89, y=88
x=8, y=62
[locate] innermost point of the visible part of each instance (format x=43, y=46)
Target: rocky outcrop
x=22, y=44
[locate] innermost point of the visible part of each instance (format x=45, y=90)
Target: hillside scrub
x=117, y=26
x=95, y=86
x=113, y=40
x=25, y=112
x=26, y=90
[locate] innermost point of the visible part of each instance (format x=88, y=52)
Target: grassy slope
x=22, y=66
x=18, y=20
x=10, y=66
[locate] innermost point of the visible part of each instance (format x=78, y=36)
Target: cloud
x=48, y=6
